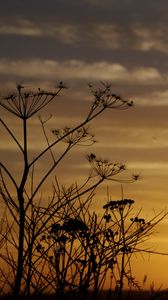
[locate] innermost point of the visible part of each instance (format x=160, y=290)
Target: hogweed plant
x=80, y=253
x=24, y=219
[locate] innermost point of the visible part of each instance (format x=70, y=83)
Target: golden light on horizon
x=81, y=45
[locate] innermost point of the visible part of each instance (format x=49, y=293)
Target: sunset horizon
x=75, y=52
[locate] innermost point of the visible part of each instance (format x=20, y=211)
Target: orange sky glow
x=131, y=54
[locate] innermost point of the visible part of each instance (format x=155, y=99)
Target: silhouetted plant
x=20, y=198
x=81, y=251
x=61, y=246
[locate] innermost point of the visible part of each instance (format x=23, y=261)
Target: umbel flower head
x=107, y=170
x=103, y=167
x=74, y=225
x=25, y=104
x=105, y=97
x=80, y=136
x=115, y=204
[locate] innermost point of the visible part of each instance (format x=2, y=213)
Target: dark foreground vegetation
x=105, y=295
x=60, y=247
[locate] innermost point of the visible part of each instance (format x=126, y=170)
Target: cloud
x=151, y=38
x=101, y=34
x=67, y=33
x=79, y=70
x=132, y=138
x=104, y=35
x=22, y=27
x=155, y=98
x=144, y=74
x=160, y=167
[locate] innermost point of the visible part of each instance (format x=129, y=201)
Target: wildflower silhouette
x=25, y=104
x=88, y=249
x=59, y=245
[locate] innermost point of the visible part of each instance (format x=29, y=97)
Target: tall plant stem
x=20, y=194
x=120, y=293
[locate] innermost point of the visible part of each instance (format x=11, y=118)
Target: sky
x=123, y=42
